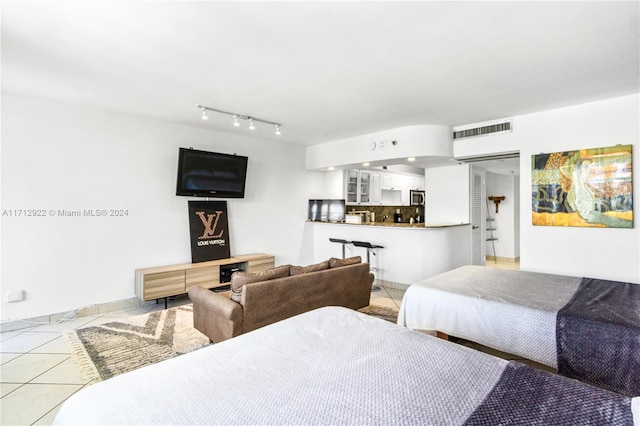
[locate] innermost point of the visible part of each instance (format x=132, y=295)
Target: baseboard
x=504, y=259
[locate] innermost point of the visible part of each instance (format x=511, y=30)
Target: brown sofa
x=262, y=298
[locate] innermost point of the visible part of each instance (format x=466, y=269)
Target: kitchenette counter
x=398, y=225
x=409, y=253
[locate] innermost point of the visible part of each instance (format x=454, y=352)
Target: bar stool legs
x=371, y=249
x=341, y=241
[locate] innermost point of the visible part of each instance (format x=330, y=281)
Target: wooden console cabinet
x=164, y=281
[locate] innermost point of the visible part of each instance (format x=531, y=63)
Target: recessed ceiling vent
x=500, y=127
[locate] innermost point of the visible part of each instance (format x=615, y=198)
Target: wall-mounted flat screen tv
x=211, y=174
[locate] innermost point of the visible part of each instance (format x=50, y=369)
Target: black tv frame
x=237, y=160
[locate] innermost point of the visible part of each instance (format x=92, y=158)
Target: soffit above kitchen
x=325, y=70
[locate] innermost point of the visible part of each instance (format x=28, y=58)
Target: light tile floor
x=38, y=373
x=37, y=370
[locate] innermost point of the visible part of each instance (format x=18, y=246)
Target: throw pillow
x=297, y=270
x=240, y=279
x=336, y=263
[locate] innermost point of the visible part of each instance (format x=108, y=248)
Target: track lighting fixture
x=238, y=117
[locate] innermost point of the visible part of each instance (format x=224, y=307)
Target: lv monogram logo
x=210, y=225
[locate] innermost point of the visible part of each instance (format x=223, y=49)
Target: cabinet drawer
x=163, y=284
x=207, y=277
x=263, y=264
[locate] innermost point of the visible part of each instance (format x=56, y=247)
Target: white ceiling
x=326, y=70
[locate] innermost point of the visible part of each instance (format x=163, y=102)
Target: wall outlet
x=15, y=296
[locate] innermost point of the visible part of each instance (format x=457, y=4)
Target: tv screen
x=211, y=174
x=326, y=210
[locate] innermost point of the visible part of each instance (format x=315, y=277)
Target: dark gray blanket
x=598, y=335
x=528, y=396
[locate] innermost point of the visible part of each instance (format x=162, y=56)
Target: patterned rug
x=113, y=348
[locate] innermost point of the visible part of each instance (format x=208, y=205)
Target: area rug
x=113, y=348
x=383, y=312
x=116, y=347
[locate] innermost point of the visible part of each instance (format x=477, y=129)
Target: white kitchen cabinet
x=351, y=186
x=375, y=196
x=417, y=183
x=364, y=187
x=367, y=188
x=359, y=185
x=406, y=201
x=400, y=182
x=386, y=182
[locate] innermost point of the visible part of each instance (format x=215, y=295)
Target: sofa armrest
x=216, y=316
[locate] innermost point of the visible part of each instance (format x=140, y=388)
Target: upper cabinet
x=375, y=197
x=375, y=188
x=362, y=187
x=351, y=186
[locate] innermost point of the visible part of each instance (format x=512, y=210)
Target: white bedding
x=512, y=311
x=328, y=366
x=324, y=367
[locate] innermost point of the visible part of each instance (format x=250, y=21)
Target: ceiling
x=325, y=70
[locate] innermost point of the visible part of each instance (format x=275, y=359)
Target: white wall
x=379, y=148
x=599, y=253
x=57, y=156
x=447, y=192
x=502, y=185
x=333, y=185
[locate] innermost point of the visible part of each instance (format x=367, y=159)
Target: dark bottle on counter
x=397, y=216
x=418, y=216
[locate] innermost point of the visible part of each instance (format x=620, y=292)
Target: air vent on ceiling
x=501, y=127
x=479, y=158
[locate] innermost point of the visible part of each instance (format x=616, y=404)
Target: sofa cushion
x=334, y=262
x=240, y=279
x=297, y=270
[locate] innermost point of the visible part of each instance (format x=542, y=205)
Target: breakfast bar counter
x=410, y=253
x=399, y=225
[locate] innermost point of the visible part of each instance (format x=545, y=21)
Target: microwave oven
x=416, y=198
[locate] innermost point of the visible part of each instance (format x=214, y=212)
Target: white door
x=477, y=220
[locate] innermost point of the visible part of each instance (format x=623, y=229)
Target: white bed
x=512, y=311
x=337, y=366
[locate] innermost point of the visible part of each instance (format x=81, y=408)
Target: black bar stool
x=371, y=249
x=341, y=241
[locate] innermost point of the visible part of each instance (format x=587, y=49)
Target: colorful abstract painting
x=588, y=187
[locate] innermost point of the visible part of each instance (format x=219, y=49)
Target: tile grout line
x=60, y=404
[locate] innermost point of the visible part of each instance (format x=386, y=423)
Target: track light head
x=237, y=117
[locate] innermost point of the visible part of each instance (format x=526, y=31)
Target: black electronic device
x=211, y=174
x=326, y=210
x=227, y=270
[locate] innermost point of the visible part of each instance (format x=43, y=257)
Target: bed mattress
x=542, y=317
x=337, y=366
